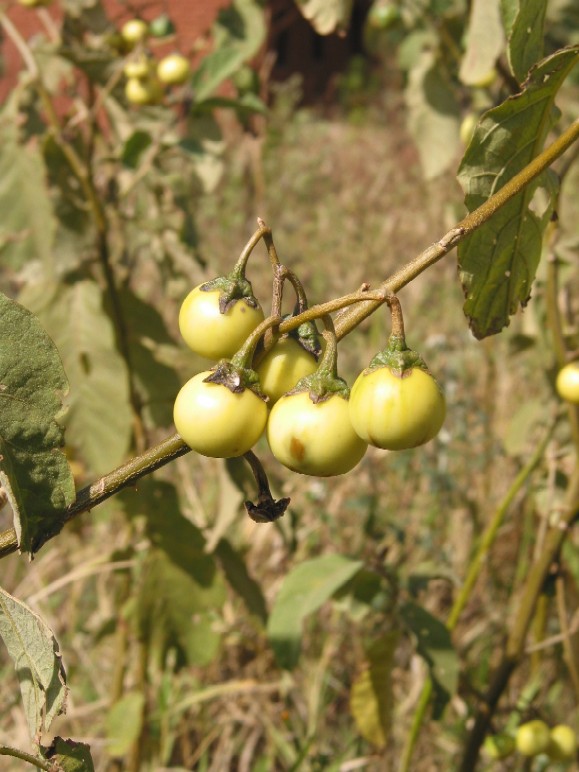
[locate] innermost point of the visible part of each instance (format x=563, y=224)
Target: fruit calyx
x=398, y=358
x=306, y=335
x=325, y=382
x=232, y=288
x=236, y=378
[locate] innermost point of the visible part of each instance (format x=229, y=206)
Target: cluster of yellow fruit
x=145, y=76
x=534, y=738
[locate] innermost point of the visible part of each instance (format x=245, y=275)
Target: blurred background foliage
x=192, y=637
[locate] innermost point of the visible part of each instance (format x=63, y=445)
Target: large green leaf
x=433, y=115
x=498, y=262
x=485, y=41
x=33, y=470
x=326, y=16
x=238, y=34
x=34, y=651
x=124, y=722
x=27, y=225
x=434, y=644
x=99, y=419
x=371, y=698
x=180, y=588
x=303, y=591
x=524, y=21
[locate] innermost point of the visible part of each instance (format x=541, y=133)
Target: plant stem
x=514, y=647
x=475, y=567
x=87, y=498
x=239, y=267
x=37, y=762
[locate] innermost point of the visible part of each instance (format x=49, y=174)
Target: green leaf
x=485, y=41
x=303, y=591
x=371, y=698
x=326, y=16
x=498, y=262
x=28, y=224
x=124, y=722
x=434, y=645
x=69, y=755
x=433, y=115
x=156, y=383
x=33, y=470
x=240, y=579
x=238, y=34
x=524, y=21
x=134, y=148
x=34, y=651
x=99, y=420
x=180, y=586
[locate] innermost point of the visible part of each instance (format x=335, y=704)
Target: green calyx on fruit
x=236, y=378
x=173, y=70
x=567, y=383
x=532, y=738
x=562, y=743
x=161, y=26
x=232, y=288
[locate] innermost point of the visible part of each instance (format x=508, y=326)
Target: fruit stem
x=243, y=358
x=268, y=241
x=238, y=271
x=328, y=366
x=397, y=318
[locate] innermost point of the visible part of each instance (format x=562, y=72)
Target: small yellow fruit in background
x=533, y=738
x=134, y=31
x=563, y=743
x=567, y=383
x=138, y=67
x=173, y=70
x=34, y=3
x=143, y=92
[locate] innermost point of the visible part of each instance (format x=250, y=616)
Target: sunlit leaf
x=485, y=41
x=34, y=651
x=33, y=470
x=433, y=115
x=498, y=262
x=304, y=590
x=326, y=16
x=28, y=225
x=524, y=22
x=99, y=420
x=71, y=756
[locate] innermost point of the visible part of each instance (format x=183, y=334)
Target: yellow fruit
x=134, y=31
x=143, y=92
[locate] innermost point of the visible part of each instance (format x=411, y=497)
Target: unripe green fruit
x=161, y=26
x=383, y=15
x=533, y=738
x=563, y=743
